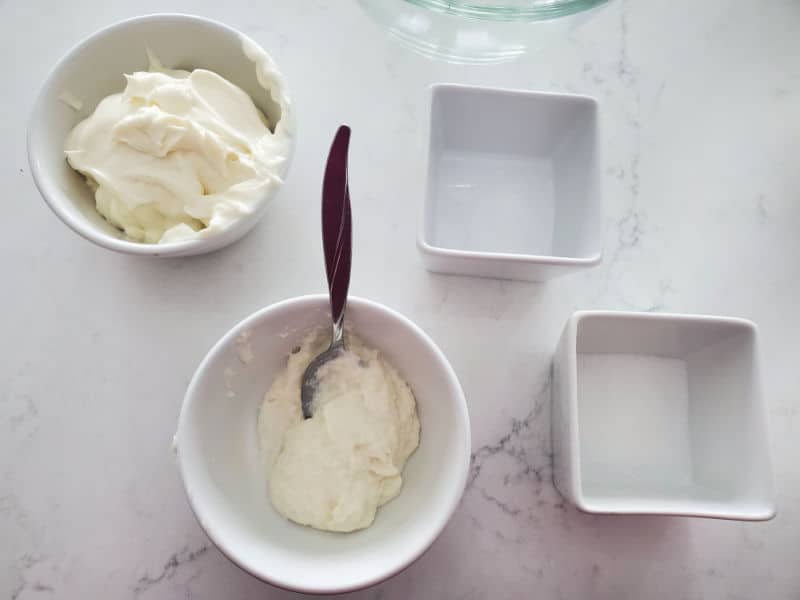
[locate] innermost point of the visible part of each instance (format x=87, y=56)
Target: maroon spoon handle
x=337, y=228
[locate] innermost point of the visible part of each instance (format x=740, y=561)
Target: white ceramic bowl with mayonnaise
x=218, y=452
x=93, y=70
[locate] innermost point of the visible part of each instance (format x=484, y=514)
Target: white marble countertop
x=701, y=115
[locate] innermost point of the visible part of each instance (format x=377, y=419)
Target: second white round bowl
x=218, y=452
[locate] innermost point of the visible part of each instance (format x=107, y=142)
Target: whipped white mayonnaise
x=334, y=470
x=182, y=155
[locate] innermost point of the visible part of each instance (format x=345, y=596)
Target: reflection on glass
x=484, y=32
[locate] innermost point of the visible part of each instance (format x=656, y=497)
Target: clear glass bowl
x=480, y=31
x=510, y=10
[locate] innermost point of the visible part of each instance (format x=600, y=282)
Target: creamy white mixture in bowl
x=220, y=447
x=334, y=470
x=185, y=181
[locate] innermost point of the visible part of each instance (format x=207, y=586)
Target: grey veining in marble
x=701, y=150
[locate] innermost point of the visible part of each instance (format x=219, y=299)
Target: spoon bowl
x=310, y=381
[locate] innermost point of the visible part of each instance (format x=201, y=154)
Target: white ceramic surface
x=218, y=452
x=660, y=413
x=699, y=180
x=513, y=188
x=92, y=70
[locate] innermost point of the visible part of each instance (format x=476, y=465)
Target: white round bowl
x=218, y=452
x=94, y=69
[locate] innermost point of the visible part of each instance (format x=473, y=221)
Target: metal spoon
x=337, y=233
